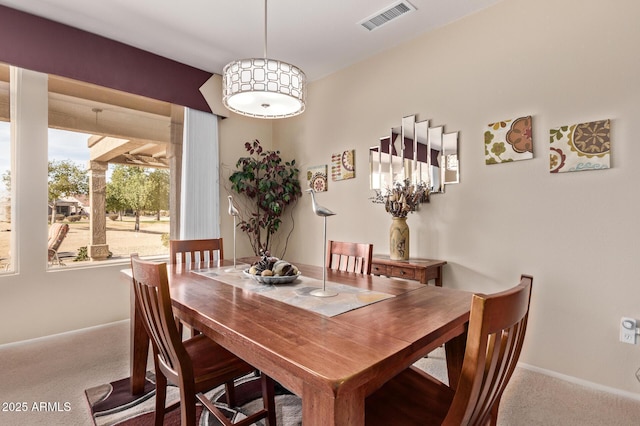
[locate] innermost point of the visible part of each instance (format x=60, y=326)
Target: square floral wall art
x=343, y=165
x=317, y=178
x=510, y=140
x=578, y=147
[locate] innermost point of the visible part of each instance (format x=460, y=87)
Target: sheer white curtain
x=200, y=194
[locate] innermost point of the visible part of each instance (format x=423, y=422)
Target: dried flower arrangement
x=403, y=197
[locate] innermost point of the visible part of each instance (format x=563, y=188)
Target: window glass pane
x=5, y=173
x=68, y=195
x=108, y=158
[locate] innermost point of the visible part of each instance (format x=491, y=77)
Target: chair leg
x=230, y=393
x=180, y=327
x=187, y=406
x=268, y=398
x=194, y=332
x=493, y=420
x=161, y=397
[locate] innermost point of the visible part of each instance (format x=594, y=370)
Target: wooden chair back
x=497, y=327
x=350, y=257
x=193, y=251
x=196, y=365
x=151, y=287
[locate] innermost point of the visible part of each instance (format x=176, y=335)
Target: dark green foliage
x=271, y=184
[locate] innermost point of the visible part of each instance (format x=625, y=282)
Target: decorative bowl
x=273, y=279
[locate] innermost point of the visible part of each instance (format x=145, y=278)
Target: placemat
x=297, y=292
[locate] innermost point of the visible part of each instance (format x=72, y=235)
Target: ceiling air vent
x=387, y=14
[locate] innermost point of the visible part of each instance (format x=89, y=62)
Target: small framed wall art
x=317, y=178
x=509, y=140
x=578, y=147
x=343, y=165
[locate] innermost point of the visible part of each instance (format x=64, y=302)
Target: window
x=5, y=174
x=101, y=138
x=114, y=160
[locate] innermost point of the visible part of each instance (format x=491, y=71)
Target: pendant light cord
x=265, y=29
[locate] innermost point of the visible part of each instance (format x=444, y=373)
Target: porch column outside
x=98, y=248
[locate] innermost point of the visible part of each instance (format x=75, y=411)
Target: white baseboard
x=80, y=330
x=581, y=382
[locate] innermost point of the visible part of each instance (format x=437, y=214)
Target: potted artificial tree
x=270, y=185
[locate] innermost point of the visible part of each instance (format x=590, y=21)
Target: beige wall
x=562, y=61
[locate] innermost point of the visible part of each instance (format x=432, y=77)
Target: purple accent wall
x=46, y=46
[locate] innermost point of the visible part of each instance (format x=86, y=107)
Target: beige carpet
x=59, y=369
x=56, y=370
x=534, y=399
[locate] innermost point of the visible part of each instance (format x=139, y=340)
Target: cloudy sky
x=63, y=145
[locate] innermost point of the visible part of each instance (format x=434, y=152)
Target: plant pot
x=399, y=239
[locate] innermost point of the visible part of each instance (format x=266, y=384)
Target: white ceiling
x=319, y=36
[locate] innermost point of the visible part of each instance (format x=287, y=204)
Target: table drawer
x=423, y=270
x=378, y=269
x=400, y=272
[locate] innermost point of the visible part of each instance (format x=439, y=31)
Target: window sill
x=86, y=264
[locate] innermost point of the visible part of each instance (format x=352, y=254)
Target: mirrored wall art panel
x=381, y=164
x=375, y=167
x=422, y=162
x=450, y=154
x=408, y=148
x=435, y=148
x=416, y=152
x=396, y=151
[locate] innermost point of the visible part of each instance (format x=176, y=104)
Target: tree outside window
x=66, y=179
x=138, y=189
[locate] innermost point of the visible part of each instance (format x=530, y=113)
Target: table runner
x=297, y=292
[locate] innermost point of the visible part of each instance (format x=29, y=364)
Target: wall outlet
x=628, y=330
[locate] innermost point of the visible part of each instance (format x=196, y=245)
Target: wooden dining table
x=332, y=363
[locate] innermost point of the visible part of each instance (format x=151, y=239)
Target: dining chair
x=193, y=251
x=195, y=365
x=495, y=336
x=349, y=257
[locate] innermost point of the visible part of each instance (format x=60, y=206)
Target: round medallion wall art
x=578, y=147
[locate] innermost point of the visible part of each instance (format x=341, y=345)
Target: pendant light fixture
x=262, y=87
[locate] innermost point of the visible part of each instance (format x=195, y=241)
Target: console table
x=422, y=270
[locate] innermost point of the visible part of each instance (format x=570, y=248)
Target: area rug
x=111, y=404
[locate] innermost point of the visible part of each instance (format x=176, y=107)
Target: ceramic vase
x=399, y=239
